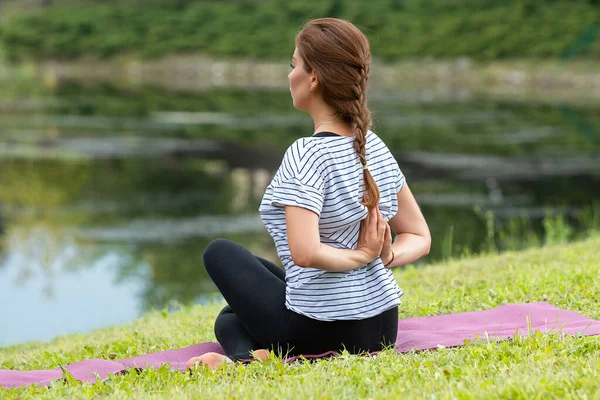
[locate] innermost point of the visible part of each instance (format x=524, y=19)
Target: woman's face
x=300, y=82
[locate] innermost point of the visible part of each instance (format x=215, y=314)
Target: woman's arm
x=308, y=251
x=413, y=239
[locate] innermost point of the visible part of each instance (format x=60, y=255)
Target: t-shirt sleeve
x=300, y=180
x=399, y=178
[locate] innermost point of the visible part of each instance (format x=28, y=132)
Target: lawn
x=539, y=366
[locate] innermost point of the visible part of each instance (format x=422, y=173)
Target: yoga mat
x=418, y=333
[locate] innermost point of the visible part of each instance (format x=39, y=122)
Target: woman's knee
x=216, y=252
x=222, y=326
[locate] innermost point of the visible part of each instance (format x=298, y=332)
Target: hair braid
x=362, y=121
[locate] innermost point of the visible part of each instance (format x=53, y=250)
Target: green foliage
x=483, y=30
x=557, y=229
x=535, y=366
x=20, y=82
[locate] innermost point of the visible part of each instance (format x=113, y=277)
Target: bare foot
x=211, y=360
x=260, y=355
x=214, y=360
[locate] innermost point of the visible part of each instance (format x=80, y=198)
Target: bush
x=481, y=29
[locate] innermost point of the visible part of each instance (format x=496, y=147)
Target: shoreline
x=460, y=79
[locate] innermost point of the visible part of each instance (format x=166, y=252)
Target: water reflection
x=51, y=286
x=109, y=197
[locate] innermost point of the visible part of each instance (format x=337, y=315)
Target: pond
x=109, y=195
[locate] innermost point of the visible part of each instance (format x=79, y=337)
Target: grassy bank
x=542, y=366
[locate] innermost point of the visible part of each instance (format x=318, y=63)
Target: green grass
x=539, y=366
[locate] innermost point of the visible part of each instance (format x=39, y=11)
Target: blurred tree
x=265, y=29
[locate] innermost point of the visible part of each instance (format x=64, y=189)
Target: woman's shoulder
x=320, y=146
x=303, y=147
x=375, y=141
x=373, y=137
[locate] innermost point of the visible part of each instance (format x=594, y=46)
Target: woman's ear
x=314, y=80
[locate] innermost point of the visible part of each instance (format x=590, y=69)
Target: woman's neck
x=325, y=119
x=340, y=128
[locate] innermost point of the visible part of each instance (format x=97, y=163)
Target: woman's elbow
x=427, y=249
x=426, y=243
x=301, y=258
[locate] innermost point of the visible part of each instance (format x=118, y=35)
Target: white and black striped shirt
x=322, y=173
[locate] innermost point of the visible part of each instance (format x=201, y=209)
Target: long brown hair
x=339, y=54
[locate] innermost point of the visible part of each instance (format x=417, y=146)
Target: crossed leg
x=252, y=286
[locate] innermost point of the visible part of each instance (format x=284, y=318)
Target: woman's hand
x=386, y=251
x=372, y=235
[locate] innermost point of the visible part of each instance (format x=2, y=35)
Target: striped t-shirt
x=323, y=173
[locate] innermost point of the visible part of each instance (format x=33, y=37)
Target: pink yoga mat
x=419, y=333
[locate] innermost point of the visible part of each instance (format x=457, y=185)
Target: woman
x=326, y=209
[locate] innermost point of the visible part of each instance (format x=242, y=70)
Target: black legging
x=256, y=316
